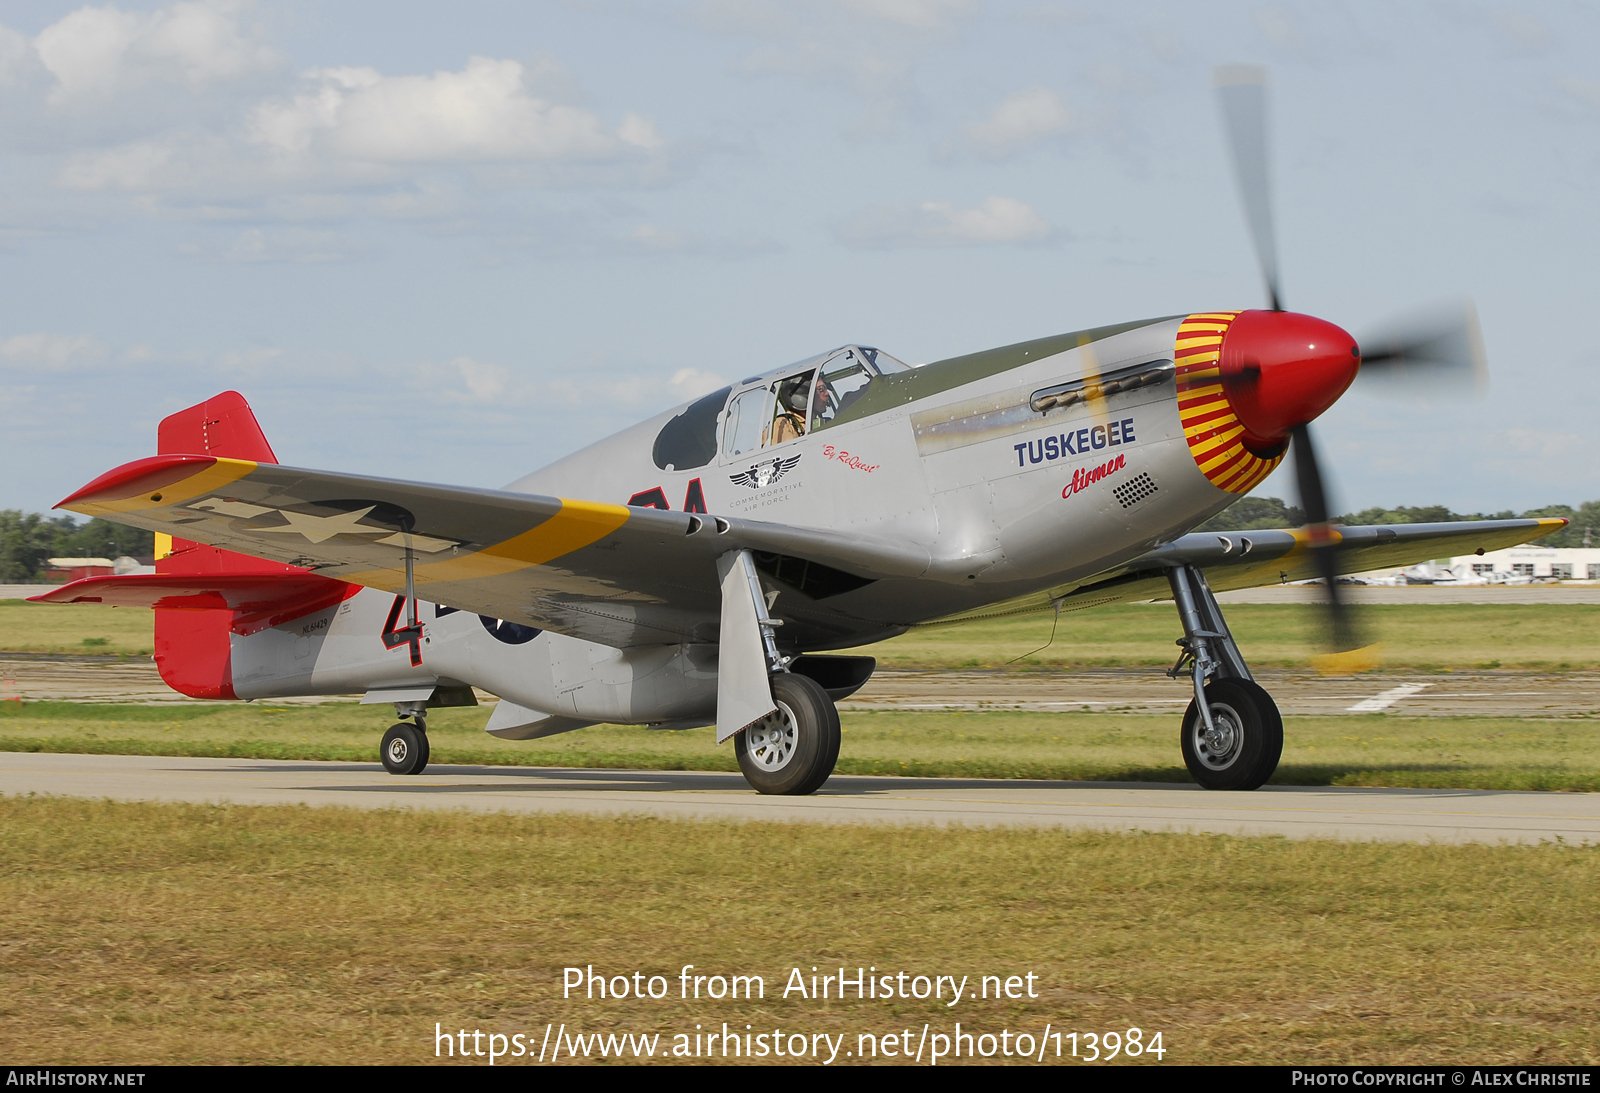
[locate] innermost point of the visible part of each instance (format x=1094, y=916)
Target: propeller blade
x=1242, y=94
x=1344, y=631
x=1443, y=342
x=1308, y=476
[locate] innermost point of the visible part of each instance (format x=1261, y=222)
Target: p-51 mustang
x=833, y=503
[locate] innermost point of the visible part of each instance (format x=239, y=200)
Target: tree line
x=1257, y=513
x=28, y=541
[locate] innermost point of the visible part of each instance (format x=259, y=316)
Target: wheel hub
x=397, y=751
x=772, y=740
x=1218, y=746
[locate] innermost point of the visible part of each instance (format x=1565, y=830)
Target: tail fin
x=193, y=651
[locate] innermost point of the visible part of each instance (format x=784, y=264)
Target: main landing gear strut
x=792, y=750
x=1232, y=732
x=405, y=747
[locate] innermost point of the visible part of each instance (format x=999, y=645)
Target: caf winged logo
x=763, y=474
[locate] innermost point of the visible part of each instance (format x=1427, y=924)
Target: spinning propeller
x=1281, y=370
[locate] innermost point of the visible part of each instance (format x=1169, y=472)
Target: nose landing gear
x=1241, y=746
x=1232, y=734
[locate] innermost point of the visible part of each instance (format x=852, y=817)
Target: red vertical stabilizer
x=193, y=650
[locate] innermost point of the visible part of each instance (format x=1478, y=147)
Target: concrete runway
x=1298, y=692
x=1397, y=815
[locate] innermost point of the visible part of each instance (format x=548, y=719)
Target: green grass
x=1346, y=750
x=1442, y=636
x=137, y=934
x=1426, y=636
x=74, y=628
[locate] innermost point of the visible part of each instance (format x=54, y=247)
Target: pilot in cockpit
x=794, y=396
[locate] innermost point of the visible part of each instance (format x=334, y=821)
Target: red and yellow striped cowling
x=1209, y=424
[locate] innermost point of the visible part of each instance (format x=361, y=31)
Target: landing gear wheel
x=404, y=749
x=793, y=751
x=1246, y=740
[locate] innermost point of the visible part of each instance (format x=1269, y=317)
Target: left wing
x=1248, y=559
x=612, y=574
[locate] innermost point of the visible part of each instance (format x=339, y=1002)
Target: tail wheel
x=1245, y=742
x=792, y=751
x=404, y=749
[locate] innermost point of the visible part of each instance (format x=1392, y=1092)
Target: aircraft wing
x=1250, y=559
x=612, y=574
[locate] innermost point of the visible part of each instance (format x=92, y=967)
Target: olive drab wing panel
x=612, y=574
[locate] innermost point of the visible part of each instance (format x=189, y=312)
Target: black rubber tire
x=1247, y=711
x=815, y=744
x=404, y=749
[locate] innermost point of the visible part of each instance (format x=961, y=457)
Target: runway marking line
x=1384, y=699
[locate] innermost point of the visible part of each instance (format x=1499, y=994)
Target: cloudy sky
x=454, y=242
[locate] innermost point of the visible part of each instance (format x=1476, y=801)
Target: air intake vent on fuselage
x=1135, y=490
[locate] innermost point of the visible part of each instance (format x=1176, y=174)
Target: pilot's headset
x=797, y=396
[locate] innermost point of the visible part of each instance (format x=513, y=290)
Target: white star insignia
x=320, y=528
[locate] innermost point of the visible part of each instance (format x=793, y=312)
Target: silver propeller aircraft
x=699, y=567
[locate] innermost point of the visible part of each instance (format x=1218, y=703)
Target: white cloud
x=768, y=19
x=648, y=237
x=297, y=245
x=484, y=382
x=141, y=165
x=921, y=14
x=51, y=350
x=866, y=48
x=94, y=52
x=1022, y=119
x=245, y=361
x=467, y=381
x=482, y=113
x=358, y=126
x=16, y=56
x=639, y=132
x=1585, y=91
x=1278, y=27
x=427, y=199
x=995, y=221
x=1522, y=32
x=688, y=383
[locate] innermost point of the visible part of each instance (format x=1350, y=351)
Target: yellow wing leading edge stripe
x=576, y=525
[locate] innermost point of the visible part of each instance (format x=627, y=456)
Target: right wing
x=1249, y=559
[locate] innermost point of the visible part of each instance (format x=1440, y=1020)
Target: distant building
x=76, y=569
x=1558, y=563
x=1513, y=565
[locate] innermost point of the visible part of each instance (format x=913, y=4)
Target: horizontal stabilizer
x=258, y=600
